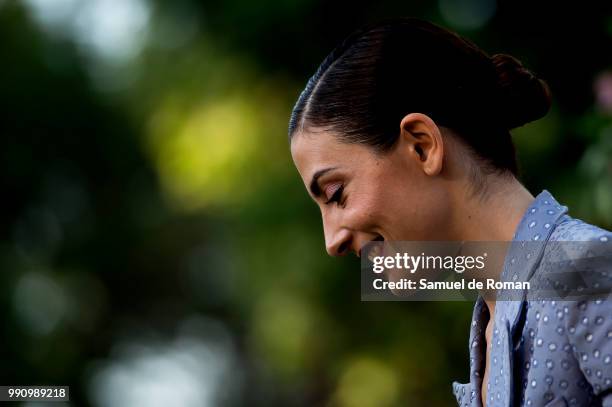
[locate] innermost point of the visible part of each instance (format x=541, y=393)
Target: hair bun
x=522, y=96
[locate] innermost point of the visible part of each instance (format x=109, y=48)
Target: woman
x=403, y=133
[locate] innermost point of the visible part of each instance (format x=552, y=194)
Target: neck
x=493, y=217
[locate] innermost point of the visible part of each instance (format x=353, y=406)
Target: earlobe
x=425, y=139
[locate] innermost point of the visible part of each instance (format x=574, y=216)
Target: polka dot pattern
x=545, y=353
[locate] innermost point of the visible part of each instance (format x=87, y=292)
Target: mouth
x=378, y=238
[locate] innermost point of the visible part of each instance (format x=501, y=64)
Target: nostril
x=342, y=248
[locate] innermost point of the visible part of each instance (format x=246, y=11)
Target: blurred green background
x=157, y=245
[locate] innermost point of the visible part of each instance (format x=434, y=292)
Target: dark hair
x=384, y=71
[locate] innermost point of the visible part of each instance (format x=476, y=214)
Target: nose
x=337, y=239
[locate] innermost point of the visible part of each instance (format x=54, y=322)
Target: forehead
x=312, y=151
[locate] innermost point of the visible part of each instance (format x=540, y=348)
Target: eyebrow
x=314, y=185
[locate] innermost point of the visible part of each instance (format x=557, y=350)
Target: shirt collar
x=538, y=221
x=525, y=252
x=536, y=226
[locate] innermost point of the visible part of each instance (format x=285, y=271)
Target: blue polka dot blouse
x=548, y=352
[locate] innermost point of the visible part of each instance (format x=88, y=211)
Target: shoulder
x=576, y=261
x=573, y=239
x=572, y=229
x=579, y=255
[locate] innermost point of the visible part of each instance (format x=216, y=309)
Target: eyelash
x=336, y=197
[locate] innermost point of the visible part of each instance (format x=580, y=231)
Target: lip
x=378, y=238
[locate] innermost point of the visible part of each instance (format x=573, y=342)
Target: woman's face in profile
x=364, y=195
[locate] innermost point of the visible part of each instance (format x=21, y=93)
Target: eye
x=336, y=193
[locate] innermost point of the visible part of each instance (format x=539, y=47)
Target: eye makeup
x=334, y=193
x=331, y=189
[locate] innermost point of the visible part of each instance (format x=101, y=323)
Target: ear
x=423, y=140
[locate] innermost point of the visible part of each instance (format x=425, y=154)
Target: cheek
x=366, y=210
x=383, y=208
x=411, y=210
